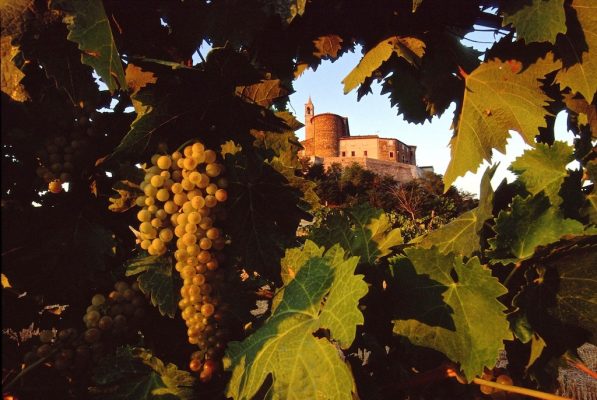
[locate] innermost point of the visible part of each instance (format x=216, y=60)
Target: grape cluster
x=58, y=159
x=502, y=378
x=182, y=192
x=107, y=320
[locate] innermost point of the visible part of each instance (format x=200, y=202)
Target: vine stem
x=28, y=369
x=511, y=274
x=517, y=389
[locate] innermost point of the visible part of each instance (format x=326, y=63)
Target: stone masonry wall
x=399, y=171
x=328, y=129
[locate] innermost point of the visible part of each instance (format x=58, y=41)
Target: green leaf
x=537, y=347
x=89, y=27
x=499, y=96
x=539, y=21
x=362, y=231
x=263, y=212
x=462, y=235
x=543, y=169
x=470, y=294
x=135, y=374
x=409, y=48
x=263, y=93
x=576, y=288
x=324, y=294
x=157, y=280
x=287, y=9
x=530, y=223
x=580, y=75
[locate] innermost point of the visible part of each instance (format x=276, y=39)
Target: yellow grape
x=210, y=156
x=144, y=215
x=163, y=195
x=157, y=181
x=164, y=162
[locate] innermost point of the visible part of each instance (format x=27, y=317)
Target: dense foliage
x=416, y=207
x=91, y=304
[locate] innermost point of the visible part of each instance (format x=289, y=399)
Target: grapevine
x=253, y=272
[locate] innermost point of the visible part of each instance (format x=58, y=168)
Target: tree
x=201, y=161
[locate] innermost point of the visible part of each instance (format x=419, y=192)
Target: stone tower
x=309, y=113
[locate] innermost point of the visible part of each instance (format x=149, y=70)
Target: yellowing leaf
x=582, y=75
x=136, y=79
x=11, y=75
x=263, y=93
x=409, y=48
x=327, y=46
x=587, y=112
x=229, y=147
x=300, y=69
x=499, y=96
x=127, y=194
x=5, y=282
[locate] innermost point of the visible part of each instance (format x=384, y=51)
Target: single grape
x=46, y=336
x=504, y=380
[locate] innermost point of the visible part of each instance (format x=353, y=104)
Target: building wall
x=399, y=171
x=359, y=147
x=387, y=149
x=327, y=131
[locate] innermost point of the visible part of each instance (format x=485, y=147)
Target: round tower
x=327, y=131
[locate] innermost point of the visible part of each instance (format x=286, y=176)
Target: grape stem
x=28, y=369
x=517, y=389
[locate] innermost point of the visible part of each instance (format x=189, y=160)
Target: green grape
x=46, y=336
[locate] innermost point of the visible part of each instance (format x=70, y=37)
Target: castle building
x=328, y=141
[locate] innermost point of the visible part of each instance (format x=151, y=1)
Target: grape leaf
x=263, y=212
x=462, y=235
x=362, y=231
x=135, y=374
x=11, y=75
x=89, y=27
x=499, y=96
x=544, y=169
x=136, y=79
x=13, y=15
x=587, y=112
x=328, y=46
x=471, y=293
x=576, y=288
x=530, y=223
x=581, y=75
x=296, y=258
x=409, y=48
x=263, y=93
x=539, y=21
x=324, y=294
x=287, y=9
x=157, y=280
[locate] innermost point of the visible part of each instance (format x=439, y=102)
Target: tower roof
x=309, y=101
